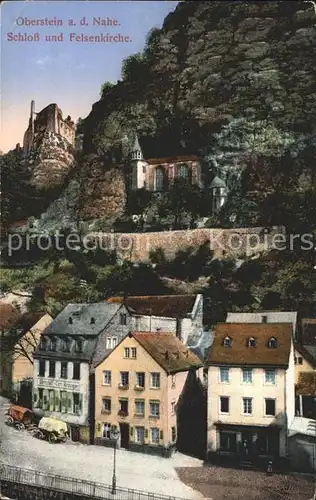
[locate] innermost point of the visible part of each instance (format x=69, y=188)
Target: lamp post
x=115, y=434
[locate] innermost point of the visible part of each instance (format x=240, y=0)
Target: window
x=40, y=398
x=183, y=171
x=76, y=373
x=252, y=342
x=53, y=344
x=144, y=169
x=66, y=345
x=70, y=320
x=63, y=397
x=270, y=407
x=41, y=370
x=106, y=432
x=228, y=441
x=123, y=406
x=52, y=367
x=123, y=319
x=111, y=342
x=43, y=344
x=173, y=434
x=140, y=379
x=264, y=319
x=139, y=407
x=272, y=343
x=224, y=374
x=159, y=179
x=78, y=346
x=154, y=435
x=139, y=435
x=107, y=377
x=247, y=375
x=173, y=407
x=154, y=408
x=106, y=405
x=133, y=352
x=270, y=376
x=124, y=379
x=247, y=406
x=298, y=360
x=63, y=369
x=92, y=321
x=126, y=352
x=224, y=404
x=155, y=380
x=227, y=342
x=76, y=403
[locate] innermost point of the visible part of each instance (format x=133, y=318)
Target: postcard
x=158, y=271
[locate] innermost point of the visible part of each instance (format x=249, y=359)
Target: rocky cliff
x=224, y=79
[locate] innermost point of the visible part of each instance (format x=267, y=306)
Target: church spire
x=136, y=152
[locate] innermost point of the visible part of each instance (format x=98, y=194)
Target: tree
x=105, y=88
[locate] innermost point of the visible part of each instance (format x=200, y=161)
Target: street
x=94, y=463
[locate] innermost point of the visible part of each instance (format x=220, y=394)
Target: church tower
x=136, y=153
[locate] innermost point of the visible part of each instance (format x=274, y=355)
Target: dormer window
x=264, y=319
x=272, y=343
x=66, y=345
x=53, y=344
x=227, y=342
x=43, y=344
x=92, y=321
x=70, y=320
x=252, y=342
x=79, y=345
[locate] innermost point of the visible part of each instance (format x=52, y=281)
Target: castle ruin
x=49, y=119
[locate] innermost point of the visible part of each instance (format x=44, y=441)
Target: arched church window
x=159, y=179
x=183, y=172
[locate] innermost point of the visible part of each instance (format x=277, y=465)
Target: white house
x=180, y=314
x=63, y=362
x=265, y=317
x=251, y=396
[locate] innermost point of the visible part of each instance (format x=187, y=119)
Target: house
x=63, y=362
x=182, y=314
x=266, y=317
x=137, y=388
x=20, y=334
x=155, y=173
x=250, y=391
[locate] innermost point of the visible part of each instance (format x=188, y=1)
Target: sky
x=69, y=73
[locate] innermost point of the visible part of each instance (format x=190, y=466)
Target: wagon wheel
x=19, y=426
x=38, y=434
x=52, y=438
x=9, y=420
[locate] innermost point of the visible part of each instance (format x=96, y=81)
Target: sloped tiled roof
x=306, y=385
x=81, y=316
x=240, y=354
x=168, y=306
x=309, y=331
x=304, y=351
x=8, y=315
x=168, y=351
x=256, y=317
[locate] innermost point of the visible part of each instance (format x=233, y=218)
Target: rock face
x=218, y=62
x=102, y=193
x=50, y=161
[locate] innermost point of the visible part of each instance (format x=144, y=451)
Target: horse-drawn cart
x=20, y=418
x=52, y=430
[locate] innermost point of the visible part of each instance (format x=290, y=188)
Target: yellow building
x=137, y=388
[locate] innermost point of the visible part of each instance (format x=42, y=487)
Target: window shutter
x=132, y=430
x=146, y=433
x=161, y=434
x=70, y=403
x=99, y=427
x=80, y=402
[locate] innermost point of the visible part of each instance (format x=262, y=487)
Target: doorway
x=75, y=433
x=124, y=430
x=246, y=441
